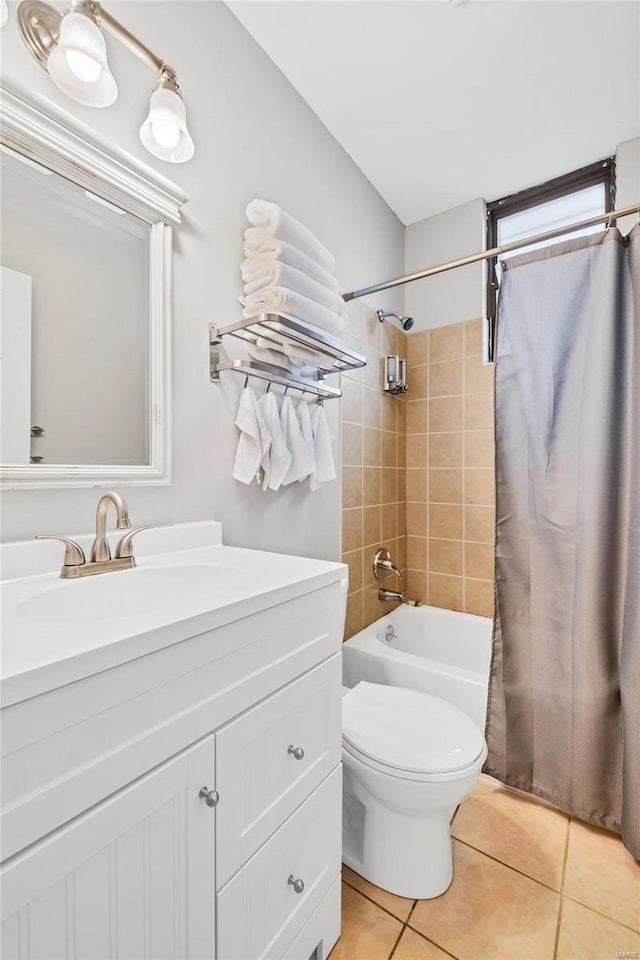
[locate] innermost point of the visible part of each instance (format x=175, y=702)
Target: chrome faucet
x=383, y=564
x=75, y=563
x=393, y=595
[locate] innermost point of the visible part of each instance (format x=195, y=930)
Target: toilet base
x=408, y=859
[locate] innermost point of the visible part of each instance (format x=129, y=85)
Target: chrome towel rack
x=280, y=328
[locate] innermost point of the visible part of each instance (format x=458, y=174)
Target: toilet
x=409, y=759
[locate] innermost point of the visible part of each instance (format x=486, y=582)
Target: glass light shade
x=164, y=133
x=78, y=64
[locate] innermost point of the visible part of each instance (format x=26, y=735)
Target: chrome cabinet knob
x=296, y=752
x=210, y=797
x=298, y=885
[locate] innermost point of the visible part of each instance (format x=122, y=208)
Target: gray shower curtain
x=563, y=718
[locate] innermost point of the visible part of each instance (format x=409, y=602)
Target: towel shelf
x=280, y=328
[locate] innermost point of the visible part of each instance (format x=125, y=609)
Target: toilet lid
x=408, y=729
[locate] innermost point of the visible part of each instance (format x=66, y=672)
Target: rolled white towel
x=259, y=260
x=282, y=275
x=268, y=299
x=303, y=356
x=275, y=357
x=270, y=220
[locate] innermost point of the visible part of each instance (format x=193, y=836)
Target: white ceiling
x=439, y=103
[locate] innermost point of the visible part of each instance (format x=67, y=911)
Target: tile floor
x=529, y=883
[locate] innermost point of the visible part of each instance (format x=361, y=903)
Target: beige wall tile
x=389, y=455
x=417, y=519
x=351, y=402
x=354, y=562
x=445, y=415
x=445, y=449
x=479, y=448
x=478, y=376
x=417, y=345
x=371, y=486
x=416, y=446
x=355, y=615
x=417, y=585
x=473, y=338
x=445, y=485
x=389, y=522
x=446, y=343
x=478, y=561
x=351, y=487
x=351, y=443
x=418, y=382
x=478, y=597
x=371, y=526
x=417, y=481
x=479, y=523
x=371, y=407
x=445, y=378
x=372, y=374
x=585, y=935
x=401, y=484
x=389, y=484
x=388, y=408
x=446, y=591
x=417, y=553
x=373, y=607
x=351, y=529
x=390, y=339
x=478, y=411
x=416, y=413
x=371, y=447
x=445, y=521
x=445, y=556
x=479, y=486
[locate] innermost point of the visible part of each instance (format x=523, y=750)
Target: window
x=568, y=199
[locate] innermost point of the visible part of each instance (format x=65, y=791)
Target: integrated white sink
x=186, y=584
x=131, y=592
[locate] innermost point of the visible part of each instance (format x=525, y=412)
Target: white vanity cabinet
x=110, y=848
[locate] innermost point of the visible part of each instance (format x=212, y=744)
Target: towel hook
x=246, y=381
x=268, y=387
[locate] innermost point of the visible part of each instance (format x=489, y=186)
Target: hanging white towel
x=304, y=419
x=255, y=438
x=261, y=262
x=270, y=220
x=268, y=299
x=322, y=437
x=277, y=463
x=281, y=275
x=301, y=464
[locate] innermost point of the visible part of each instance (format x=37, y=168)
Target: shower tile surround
x=437, y=441
x=450, y=469
x=373, y=465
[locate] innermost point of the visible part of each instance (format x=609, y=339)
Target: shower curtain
x=563, y=718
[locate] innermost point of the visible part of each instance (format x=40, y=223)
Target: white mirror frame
x=59, y=142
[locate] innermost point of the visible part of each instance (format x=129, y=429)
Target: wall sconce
x=71, y=48
x=395, y=375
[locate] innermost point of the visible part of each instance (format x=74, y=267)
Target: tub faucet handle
x=383, y=564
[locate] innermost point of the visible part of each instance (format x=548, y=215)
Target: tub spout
x=392, y=595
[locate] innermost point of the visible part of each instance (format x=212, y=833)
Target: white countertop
x=224, y=584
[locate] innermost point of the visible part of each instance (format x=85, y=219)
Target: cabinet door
x=131, y=878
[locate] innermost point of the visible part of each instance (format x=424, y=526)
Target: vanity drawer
x=262, y=781
x=259, y=912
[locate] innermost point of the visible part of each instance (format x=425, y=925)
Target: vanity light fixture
x=72, y=49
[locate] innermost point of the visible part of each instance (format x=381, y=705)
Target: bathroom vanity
x=171, y=778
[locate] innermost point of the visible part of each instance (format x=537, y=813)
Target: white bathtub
x=439, y=651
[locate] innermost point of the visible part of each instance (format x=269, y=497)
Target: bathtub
x=439, y=651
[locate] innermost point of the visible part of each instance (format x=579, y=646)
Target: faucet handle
x=123, y=548
x=73, y=552
x=383, y=562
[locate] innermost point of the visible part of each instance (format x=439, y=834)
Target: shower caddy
x=279, y=328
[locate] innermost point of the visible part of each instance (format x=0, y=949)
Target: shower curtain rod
x=494, y=252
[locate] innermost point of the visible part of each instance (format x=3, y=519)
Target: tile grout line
x=562, y=879
x=521, y=873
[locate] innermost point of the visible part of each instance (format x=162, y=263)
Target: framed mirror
x=85, y=284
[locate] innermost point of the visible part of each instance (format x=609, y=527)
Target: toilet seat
x=409, y=734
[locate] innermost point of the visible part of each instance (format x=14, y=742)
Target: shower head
x=405, y=322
